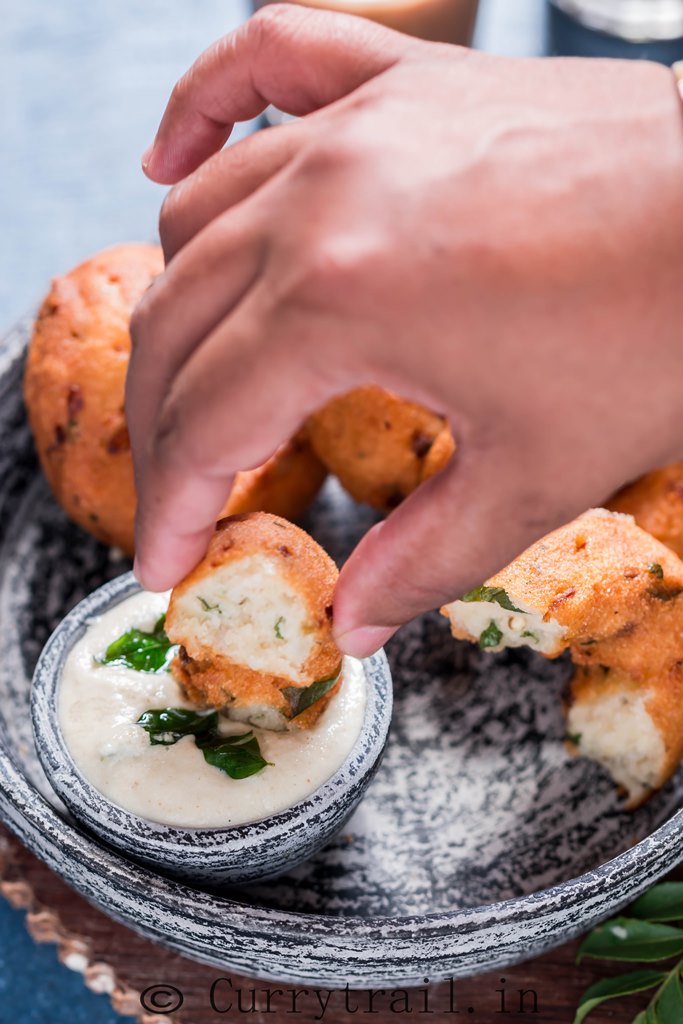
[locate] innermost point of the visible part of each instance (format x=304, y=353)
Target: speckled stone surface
x=479, y=841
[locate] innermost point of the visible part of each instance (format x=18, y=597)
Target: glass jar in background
x=645, y=29
x=445, y=21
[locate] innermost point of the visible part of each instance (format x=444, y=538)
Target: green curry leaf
x=239, y=756
x=668, y=1006
x=302, y=697
x=141, y=651
x=165, y=726
x=491, y=595
x=663, y=902
x=626, y=938
x=612, y=988
x=491, y=637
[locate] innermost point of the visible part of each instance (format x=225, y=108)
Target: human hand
x=497, y=239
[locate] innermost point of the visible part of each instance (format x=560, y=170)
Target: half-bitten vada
x=599, y=587
x=254, y=621
x=633, y=728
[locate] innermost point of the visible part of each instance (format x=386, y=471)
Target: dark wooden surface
x=116, y=960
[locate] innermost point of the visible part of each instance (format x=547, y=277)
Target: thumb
x=454, y=532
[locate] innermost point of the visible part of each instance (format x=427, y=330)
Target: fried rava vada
x=656, y=503
x=74, y=391
x=600, y=587
x=74, y=388
x=612, y=595
x=381, y=447
x=285, y=485
x=633, y=728
x=254, y=621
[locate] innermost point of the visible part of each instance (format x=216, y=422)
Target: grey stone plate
x=479, y=842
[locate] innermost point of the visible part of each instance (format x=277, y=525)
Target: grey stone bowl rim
x=129, y=831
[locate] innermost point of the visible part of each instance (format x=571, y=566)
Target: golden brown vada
x=74, y=392
x=656, y=503
x=380, y=447
x=254, y=621
x=285, y=485
x=599, y=587
x=74, y=388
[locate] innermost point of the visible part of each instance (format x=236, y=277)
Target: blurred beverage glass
x=642, y=29
x=445, y=21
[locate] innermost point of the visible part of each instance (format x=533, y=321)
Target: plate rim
x=663, y=841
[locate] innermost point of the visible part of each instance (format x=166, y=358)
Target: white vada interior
x=616, y=730
x=248, y=612
x=522, y=628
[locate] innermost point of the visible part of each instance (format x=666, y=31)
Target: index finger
x=298, y=59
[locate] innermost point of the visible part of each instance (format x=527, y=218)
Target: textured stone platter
x=480, y=842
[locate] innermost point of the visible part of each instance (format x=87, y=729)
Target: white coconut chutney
x=99, y=705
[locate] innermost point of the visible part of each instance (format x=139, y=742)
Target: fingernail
x=147, y=156
x=361, y=643
x=137, y=571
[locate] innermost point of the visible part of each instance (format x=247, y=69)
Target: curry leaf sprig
x=141, y=651
x=646, y=936
x=239, y=756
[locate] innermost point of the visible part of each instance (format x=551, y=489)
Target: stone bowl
x=206, y=856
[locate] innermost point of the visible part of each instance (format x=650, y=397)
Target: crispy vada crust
x=212, y=679
x=286, y=485
x=74, y=388
x=381, y=447
x=219, y=683
x=616, y=592
x=656, y=503
x=610, y=593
